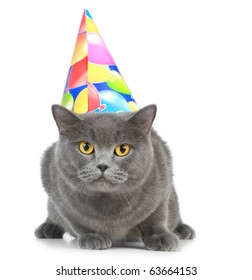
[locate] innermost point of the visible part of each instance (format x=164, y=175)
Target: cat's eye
x=86, y=148
x=122, y=150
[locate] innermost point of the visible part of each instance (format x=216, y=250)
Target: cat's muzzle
x=113, y=175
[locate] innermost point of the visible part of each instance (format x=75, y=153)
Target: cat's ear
x=64, y=118
x=144, y=118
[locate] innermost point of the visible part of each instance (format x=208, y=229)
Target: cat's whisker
x=128, y=201
x=136, y=209
x=120, y=198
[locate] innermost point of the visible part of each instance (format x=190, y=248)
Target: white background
x=194, y=60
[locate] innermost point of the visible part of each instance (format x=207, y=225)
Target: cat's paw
x=95, y=241
x=183, y=231
x=49, y=230
x=166, y=241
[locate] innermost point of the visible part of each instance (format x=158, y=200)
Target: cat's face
x=104, y=152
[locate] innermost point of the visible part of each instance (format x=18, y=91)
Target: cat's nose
x=102, y=167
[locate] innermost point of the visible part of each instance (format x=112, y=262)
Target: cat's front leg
x=155, y=233
x=161, y=241
x=87, y=239
x=97, y=241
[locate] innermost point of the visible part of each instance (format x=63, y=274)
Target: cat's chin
x=102, y=185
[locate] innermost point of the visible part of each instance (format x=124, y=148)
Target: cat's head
x=104, y=152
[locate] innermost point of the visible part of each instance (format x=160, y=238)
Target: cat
x=109, y=179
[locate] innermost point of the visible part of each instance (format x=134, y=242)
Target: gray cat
x=109, y=179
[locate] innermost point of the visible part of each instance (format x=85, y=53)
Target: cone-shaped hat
x=94, y=82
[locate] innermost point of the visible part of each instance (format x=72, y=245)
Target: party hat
x=94, y=83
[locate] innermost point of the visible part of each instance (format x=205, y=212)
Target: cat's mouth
x=110, y=179
x=103, y=180
x=115, y=177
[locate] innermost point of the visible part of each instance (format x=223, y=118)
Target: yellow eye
x=86, y=148
x=122, y=150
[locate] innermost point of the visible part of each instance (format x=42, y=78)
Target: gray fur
x=102, y=199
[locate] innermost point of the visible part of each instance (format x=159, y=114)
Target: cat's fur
x=133, y=198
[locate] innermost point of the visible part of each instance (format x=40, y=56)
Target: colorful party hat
x=94, y=83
